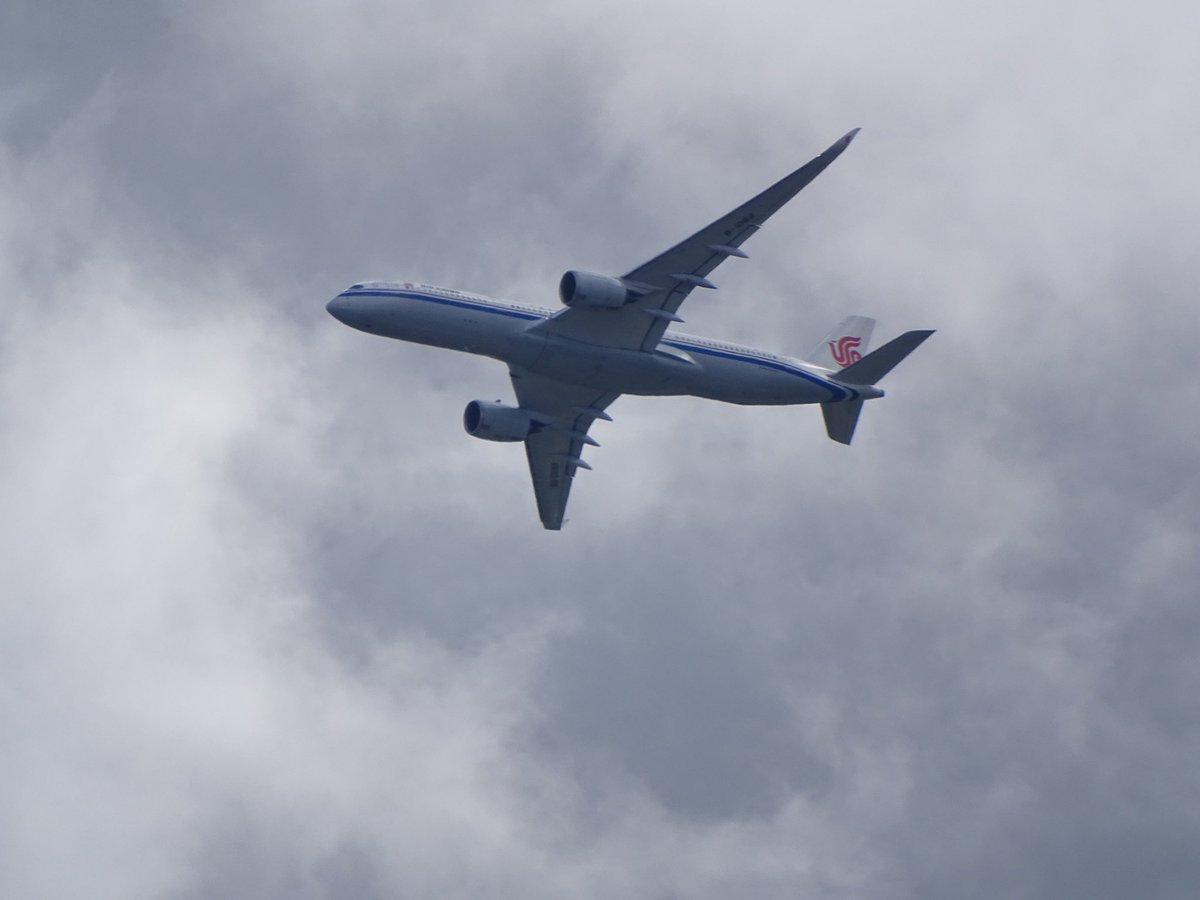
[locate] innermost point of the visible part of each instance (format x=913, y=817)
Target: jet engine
x=495, y=421
x=592, y=290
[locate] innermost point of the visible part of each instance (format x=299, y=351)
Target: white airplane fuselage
x=680, y=365
x=612, y=336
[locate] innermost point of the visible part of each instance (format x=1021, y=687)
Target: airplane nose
x=337, y=308
x=349, y=310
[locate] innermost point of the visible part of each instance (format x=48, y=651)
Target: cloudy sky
x=272, y=625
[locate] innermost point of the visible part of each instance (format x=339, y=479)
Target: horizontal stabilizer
x=872, y=367
x=840, y=419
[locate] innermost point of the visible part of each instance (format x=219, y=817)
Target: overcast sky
x=272, y=625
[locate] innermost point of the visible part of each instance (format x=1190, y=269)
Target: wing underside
x=662, y=284
x=563, y=413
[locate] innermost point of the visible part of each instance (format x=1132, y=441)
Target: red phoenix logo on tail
x=843, y=350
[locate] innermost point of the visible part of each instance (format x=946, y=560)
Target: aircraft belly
x=752, y=384
x=674, y=368
x=613, y=369
x=674, y=371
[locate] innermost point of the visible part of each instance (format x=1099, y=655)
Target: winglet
x=816, y=166
x=836, y=148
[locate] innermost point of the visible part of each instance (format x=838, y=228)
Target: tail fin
x=844, y=345
x=842, y=417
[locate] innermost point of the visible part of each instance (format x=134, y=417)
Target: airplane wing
x=564, y=413
x=665, y=281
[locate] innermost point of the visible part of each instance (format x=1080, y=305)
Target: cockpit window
x=356, y=287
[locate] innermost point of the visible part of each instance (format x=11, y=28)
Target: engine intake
x=495, y=421
x=591, y=290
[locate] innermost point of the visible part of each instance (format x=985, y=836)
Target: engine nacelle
x=592, y=290
x=494, y=421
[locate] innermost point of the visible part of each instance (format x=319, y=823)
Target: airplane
x=612, y=337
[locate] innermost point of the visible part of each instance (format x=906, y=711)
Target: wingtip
x=843, y=142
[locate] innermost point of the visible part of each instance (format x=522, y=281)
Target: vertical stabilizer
x=845, y=345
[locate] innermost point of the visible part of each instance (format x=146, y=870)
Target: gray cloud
x=273, y=626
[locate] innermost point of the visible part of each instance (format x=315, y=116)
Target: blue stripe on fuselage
x=838, y=392
x=461, y=302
